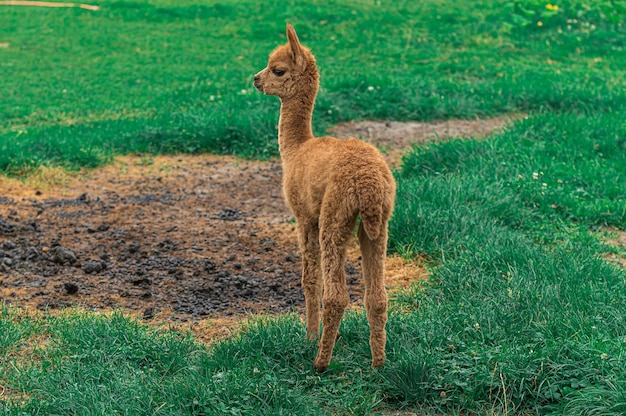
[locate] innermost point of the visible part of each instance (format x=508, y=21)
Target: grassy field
x=80, y=86
x=522, y=313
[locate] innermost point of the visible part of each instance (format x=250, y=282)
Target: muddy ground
x=176, y=238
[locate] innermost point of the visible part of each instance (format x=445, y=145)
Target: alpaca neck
x=294, y=127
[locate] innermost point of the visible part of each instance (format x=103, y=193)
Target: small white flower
x=535, y=175
x=244, y=91
x=211, y=97
x=370, y=88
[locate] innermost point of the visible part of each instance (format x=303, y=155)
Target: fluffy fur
x=328, y=183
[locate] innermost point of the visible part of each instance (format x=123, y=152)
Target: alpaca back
x=351, y=169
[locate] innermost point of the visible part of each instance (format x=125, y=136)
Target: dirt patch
x=191, y=240
x=184, y=236
x=618, y=240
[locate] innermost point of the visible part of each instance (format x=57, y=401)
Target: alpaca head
x=291, y=71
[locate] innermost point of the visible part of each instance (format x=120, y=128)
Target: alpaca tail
x=372, y=222
x=371, y=206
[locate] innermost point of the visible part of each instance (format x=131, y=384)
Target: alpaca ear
x=294, y=45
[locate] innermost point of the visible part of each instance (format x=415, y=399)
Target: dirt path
x=198, y=239
x=393, y=137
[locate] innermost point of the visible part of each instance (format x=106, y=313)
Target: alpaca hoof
x=320, y=366
x=378, y=363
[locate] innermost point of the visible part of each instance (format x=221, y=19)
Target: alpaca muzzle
x=257, y=83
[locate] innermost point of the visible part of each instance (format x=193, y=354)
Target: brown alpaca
x=327, y=183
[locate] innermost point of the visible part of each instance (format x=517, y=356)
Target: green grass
x=521, y=315
x=80, y=87
x=111, y=364
x=543, y=175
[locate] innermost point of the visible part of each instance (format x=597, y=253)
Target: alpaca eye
x=278, y=72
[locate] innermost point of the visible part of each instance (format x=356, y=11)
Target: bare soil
x=393, y=137
x=199, y=239
x=619, y=242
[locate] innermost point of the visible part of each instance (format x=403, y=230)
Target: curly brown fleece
x=328, y=183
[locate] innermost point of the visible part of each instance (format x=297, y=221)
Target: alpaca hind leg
x=333, y=237
x=308, y=238
x=373, y=254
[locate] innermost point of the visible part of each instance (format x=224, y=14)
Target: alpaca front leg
x=312, y=297
x=311, y=277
